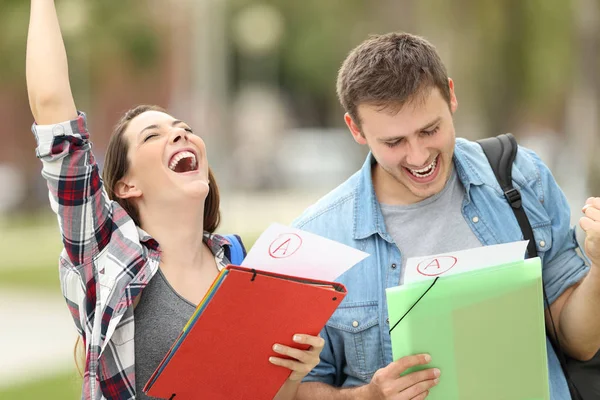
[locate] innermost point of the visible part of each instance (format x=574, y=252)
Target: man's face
x=413, y=147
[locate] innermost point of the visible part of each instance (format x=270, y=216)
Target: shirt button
x=542, y=243
x=394, y=266
x=476, y=219
x=387, y=321
x=355, y=324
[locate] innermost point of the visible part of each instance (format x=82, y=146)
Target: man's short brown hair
x=389, y=71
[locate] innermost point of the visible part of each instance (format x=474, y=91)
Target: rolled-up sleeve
x=76, y=192
x=562, y=265
x=52, y=139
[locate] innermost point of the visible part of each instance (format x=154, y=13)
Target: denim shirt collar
x=368, y=219
x=465, y=152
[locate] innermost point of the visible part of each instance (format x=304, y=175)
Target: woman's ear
x=127, y=190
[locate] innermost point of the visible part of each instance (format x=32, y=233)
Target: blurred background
x=257, y=79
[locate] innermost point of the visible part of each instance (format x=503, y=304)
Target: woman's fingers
x=316, y=342
x=303, y=356
x=287, y=363
x=303, y=361
x=299, y=370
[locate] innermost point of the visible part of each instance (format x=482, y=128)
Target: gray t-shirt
x=159, y=317
x=432, y=226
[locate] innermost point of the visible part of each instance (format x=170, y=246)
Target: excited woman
x=139, y=245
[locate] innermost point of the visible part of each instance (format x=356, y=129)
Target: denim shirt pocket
x=357, y=328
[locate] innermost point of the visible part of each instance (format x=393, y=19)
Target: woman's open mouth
x=184, y=161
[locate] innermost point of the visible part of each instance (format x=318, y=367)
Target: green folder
x=484, y=330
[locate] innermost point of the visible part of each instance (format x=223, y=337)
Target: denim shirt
x=357, y=338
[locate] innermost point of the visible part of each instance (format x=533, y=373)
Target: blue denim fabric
x=357, y=338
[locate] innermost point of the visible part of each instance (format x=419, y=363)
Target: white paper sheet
x=428, y=267
x=294, y=252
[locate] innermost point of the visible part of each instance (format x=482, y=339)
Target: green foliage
x=317, y=40
x=524, y=56
x=14, y=16
x=124, y=29
x=318, y=35
x=523, y=50
x=30, y=247
x=92, y=30
x=60, y=387
x=549, y=59
x=39, y=279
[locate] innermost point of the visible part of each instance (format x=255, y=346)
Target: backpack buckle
x=514, y=197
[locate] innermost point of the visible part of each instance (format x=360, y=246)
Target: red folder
x=223, y=352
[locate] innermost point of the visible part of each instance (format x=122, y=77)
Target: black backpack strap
x=501, y=152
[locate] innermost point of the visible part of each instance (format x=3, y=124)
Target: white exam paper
x=294, y=252
x=428, y=267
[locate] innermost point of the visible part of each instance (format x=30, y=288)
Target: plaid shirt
x=106, y=261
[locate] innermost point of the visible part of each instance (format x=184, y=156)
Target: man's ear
x=354, y=129
x=127, y=190
x=453, y=100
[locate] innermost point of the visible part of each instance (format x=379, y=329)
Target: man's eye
x=150, y=136
x=189, y=130
x=432, y=132
x=393, y=144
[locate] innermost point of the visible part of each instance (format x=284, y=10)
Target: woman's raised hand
x=47, y=72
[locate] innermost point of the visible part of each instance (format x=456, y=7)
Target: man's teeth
x=424, y=172
x=180, y=156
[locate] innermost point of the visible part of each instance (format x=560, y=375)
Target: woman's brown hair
x=116, y=166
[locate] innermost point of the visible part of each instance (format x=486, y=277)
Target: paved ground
x=37, y=336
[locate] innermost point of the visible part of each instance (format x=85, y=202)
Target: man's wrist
x=594, y=275
x=365, y=392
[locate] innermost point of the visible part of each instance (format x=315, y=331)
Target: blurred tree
x=318, y=35
x=515, y=62
x=100, y=30
x=99, y=35
x=583, y=122
x=523, y=57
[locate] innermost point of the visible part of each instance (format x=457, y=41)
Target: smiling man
x=422, y=191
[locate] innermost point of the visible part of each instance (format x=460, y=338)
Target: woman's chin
x=197, y=189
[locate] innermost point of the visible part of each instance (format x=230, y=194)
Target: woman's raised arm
x=47, y=71
x=68, y=165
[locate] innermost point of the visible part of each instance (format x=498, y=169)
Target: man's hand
x=387, y=384
x=590, y=223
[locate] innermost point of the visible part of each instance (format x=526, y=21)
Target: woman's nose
x=179, y=135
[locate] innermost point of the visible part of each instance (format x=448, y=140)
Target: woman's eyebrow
x=154, y=126
x=148, y=128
